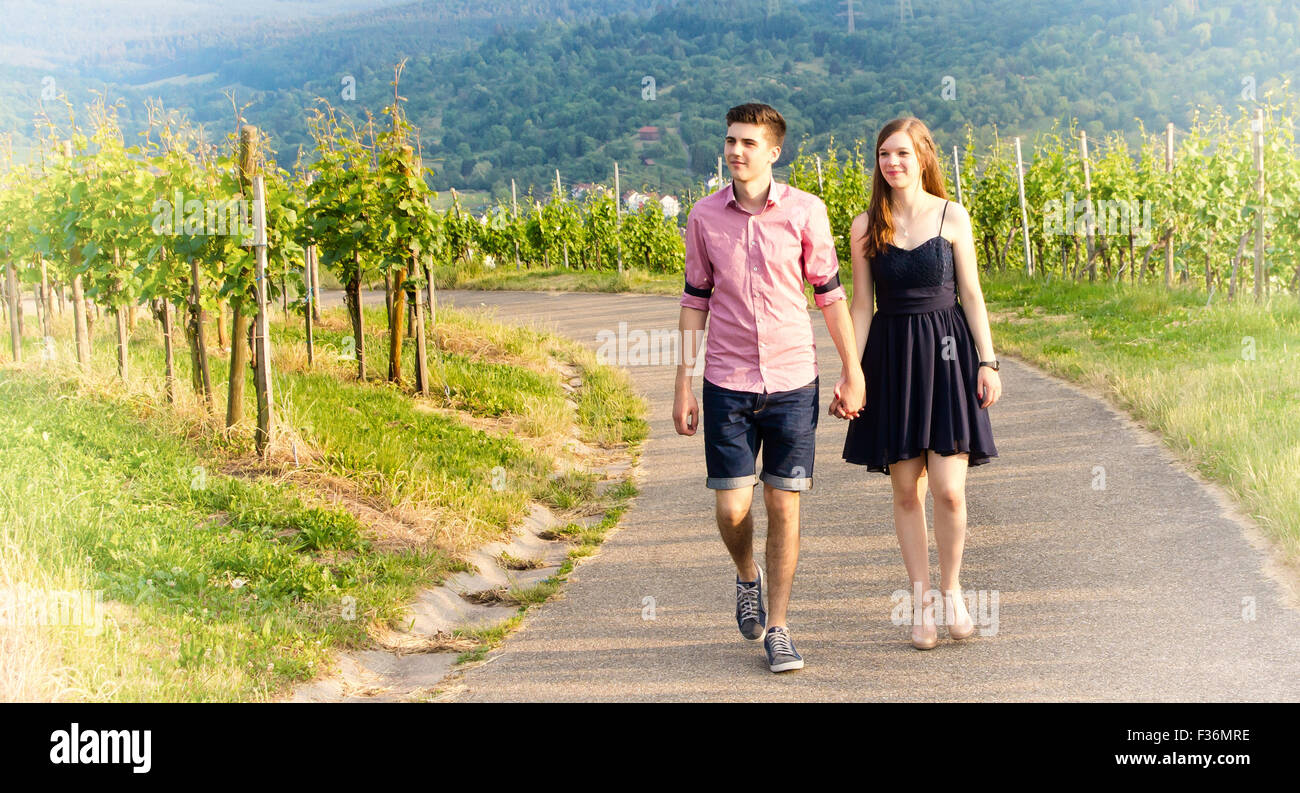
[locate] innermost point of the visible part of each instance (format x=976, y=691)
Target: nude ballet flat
x=927, y=644
x=953, y=634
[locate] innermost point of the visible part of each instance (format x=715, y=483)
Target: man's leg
x=787, y=423
x=730, y=449
x=787, y=426
x=736, y=524
x=782, y=549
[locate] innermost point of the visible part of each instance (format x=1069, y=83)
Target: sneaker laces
x=780, y=642
x=747, y=599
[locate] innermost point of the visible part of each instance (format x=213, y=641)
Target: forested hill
x=564, y=84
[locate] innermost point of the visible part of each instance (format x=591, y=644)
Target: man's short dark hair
x=765, y=116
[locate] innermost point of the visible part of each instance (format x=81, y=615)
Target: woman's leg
x=948, y=486
x=909, y=480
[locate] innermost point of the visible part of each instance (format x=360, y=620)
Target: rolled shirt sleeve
x=699, y=270
x=821, y=264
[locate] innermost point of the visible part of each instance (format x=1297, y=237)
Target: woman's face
x=898, y=162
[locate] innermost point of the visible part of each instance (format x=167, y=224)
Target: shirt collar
x=775, y=194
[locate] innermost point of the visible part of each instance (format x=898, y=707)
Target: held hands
x=989, y=388
x=850, y=395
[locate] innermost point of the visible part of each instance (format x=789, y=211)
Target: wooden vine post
x=1169, y=168
x=309, y=282
x=421, y=340
x=15, y=299
x=1088, y=217
x=1024, y=212
x=956, y=170
x=514, y=214
x=248, y=166
x=1257, y=127
x=618, y=219
x=119, y=316
x=261, y=334
x=79, y=318
x=169, y=353
x=200, y=375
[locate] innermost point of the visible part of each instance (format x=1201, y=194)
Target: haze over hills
x=57, y=33
x=516, y=90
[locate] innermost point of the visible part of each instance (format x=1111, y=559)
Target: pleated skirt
x=921, y=371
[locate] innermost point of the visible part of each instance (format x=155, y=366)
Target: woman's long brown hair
x=880, y=229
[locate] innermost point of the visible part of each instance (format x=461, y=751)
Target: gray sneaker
x=781, y=655
x=751, y=617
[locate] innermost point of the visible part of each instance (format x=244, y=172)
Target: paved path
x=1134, y=592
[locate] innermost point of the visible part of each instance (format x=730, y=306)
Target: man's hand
x=850, y=395
x=686, y=411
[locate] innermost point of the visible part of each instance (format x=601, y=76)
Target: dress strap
x=941, y=217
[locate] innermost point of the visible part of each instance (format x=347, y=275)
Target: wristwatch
x=990, y=364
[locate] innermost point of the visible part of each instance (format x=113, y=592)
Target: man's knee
x=781, y=503
x=732, y=508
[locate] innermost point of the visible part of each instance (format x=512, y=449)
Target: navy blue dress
x=920, y=363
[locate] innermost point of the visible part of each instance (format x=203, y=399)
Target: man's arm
x=690, y=326
x=686, y=410
x=822, y=270
x=852, y=388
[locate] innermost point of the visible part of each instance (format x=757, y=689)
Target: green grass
x=488, y=638
x=504, y=276
x=225, y=587
x=1181, y=368
x=215, y=588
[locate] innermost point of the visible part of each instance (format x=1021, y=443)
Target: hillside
x=504, y=95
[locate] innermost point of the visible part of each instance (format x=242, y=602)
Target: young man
x=749, y=248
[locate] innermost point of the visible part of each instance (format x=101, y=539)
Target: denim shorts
x=737, y=424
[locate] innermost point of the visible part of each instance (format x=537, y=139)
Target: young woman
x=928, y=360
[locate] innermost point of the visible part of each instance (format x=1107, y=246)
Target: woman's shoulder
x=951, y=209
x=954, y=219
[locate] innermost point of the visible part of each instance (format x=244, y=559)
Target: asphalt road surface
x=1144, y=590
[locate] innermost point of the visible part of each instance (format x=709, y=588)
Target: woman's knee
x=948, y=497
x=907, y=495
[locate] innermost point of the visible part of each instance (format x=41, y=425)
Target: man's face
x=749, y=151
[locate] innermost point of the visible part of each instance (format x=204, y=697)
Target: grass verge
x=221, y=579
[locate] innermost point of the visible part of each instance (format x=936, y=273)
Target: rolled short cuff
x=824, y=299
x=786, y=482
x=695, y=302
x=730, y=482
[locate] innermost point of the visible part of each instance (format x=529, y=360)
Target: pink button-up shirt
x=748, y=272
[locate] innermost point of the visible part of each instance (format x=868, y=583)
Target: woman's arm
x=864, y=291
x=966, y=271
x=862, y=305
